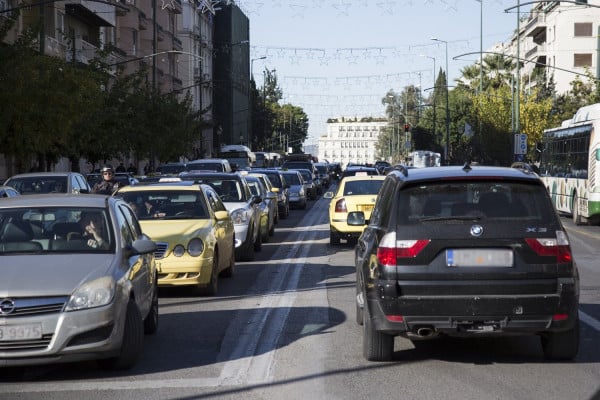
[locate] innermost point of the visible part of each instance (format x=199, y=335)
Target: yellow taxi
x=193, y=231
x=354, y=193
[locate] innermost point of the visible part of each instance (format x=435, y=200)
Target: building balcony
x=538, y=50
x=83, y=51
x=177, y=44
x=143, y=22
x=536, y=28
x=91, y=13
x=55, y=47
x=177, y=83
x=160, y=33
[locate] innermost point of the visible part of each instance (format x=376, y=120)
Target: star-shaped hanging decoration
x=167, y=3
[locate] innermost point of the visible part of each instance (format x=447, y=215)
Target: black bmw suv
x=465, y=251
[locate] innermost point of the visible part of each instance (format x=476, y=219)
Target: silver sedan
x=78, y=281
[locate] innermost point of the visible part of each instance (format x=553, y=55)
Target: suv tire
x=377, y=346
x=560, y=346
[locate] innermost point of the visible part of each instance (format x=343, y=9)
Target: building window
x=582, y=60
x=583, y=29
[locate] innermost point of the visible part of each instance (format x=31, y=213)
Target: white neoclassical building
x=351, y=140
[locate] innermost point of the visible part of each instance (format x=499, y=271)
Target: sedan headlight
x=178, y=250
x=240, y=216
x=195, y=247
x=96, y=293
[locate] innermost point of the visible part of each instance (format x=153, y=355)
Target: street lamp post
x=447, y=147
x=394, y=135
x=252, y=65
x=434, y=120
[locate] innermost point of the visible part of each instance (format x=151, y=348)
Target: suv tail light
x=558, y=247
x=390, y=249
x=340, y=206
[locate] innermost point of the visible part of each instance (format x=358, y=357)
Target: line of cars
x=81, y=271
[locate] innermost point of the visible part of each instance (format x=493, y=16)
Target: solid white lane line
x=589, y=320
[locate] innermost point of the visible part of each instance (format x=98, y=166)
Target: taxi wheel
x=228, y=272
x=334, y=240
x=211, y=288
x=272, y=229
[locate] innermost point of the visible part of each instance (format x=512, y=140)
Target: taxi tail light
x=558, y=247
x=340, y=206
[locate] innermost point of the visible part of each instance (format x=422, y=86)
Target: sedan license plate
x=365, y=207
x=479, y=258
x=20, y=332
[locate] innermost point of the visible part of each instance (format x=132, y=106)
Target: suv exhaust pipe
x=426, y=331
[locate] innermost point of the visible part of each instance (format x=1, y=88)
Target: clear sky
x=340, y=57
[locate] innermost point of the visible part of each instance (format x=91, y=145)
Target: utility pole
x=154, y=45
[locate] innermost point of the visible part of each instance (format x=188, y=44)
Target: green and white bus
x=570, y=165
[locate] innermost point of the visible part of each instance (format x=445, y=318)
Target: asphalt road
x=283, y=328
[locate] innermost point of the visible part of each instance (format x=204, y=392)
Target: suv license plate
x=479, y=258
x=20, y=332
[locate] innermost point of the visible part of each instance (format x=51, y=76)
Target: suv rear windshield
x=455, y=200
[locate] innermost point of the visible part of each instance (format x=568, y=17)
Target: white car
x=268, y=206
x=241, y=204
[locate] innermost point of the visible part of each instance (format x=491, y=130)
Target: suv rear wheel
x=561, y=345
x=377, y=346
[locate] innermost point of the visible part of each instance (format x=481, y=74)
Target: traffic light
x=406, y=127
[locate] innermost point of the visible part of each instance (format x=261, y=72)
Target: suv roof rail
x=523, y=166
x=402, y=169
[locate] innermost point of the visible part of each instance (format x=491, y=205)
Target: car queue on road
x=191, y=229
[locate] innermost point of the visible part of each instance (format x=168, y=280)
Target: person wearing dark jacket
x=108, y=184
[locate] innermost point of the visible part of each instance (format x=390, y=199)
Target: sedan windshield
x=56, y=229
x=38, y=185
x=167, y=204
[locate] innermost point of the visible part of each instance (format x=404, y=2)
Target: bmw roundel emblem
x=7, y=306
x=476, y=230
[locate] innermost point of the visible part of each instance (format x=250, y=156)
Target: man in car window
x=108, y=184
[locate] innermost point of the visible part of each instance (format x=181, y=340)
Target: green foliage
x=52, y=109
x=276, y=126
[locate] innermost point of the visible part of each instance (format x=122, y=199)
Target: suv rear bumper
x=477, y=314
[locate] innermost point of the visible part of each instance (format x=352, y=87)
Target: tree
x=42, y=98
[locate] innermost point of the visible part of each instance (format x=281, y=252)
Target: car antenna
x=467, y=166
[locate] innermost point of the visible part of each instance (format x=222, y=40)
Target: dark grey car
x=49, y=182
x=79, y=281
x=469, y=251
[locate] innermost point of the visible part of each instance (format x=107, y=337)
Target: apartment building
x=171, y=39
x=351, y=140
x=560, y=37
